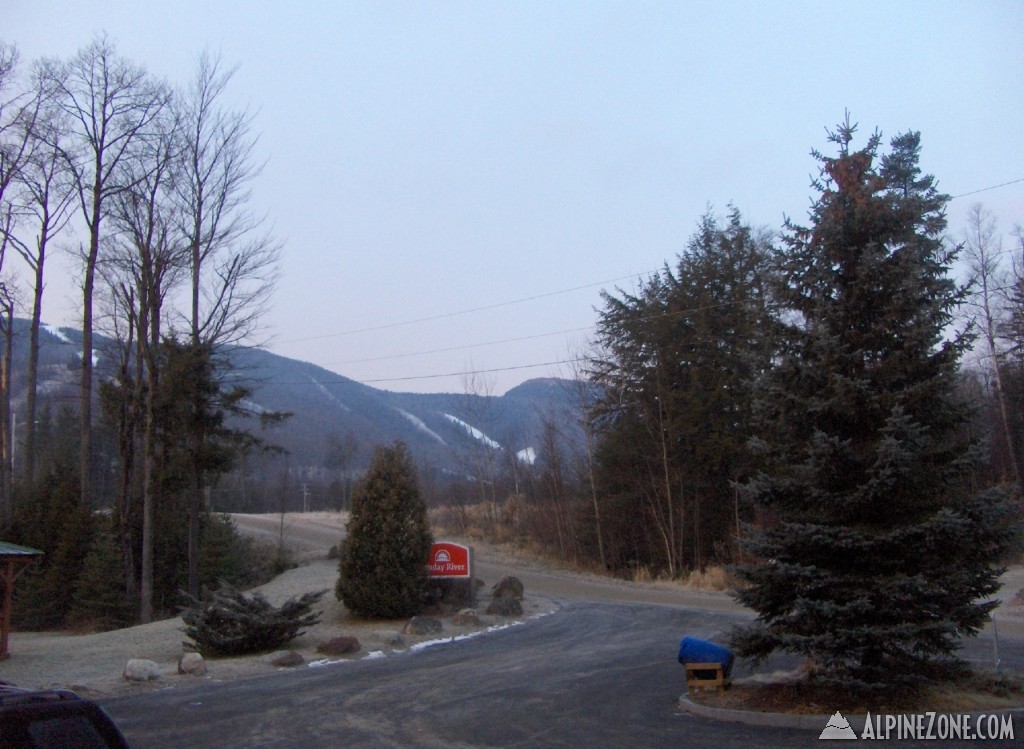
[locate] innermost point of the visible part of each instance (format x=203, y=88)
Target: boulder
x=392, y=639
x=285, y=659
x=505, y=606
x=508, y=587
x=422, y=625
x=140, y=669
x=343, y=645
x=466, y=618
x=192, y=664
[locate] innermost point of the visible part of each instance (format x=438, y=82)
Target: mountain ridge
x=334, y=419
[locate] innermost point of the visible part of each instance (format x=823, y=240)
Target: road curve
x=597, y=674
x=314, y=535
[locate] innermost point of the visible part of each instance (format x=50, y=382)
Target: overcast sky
x=455, y=182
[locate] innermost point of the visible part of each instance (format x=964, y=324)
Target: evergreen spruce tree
x=101, y=598
x=383, y=558
x=878, y=553
x=677, y=359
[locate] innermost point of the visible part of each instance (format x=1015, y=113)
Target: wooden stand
x=696, y=677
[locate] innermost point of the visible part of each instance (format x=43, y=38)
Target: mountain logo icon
x=838, y=728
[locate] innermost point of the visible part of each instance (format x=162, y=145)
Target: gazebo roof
x=13, y=550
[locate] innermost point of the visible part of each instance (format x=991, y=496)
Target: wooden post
x=5, y=621
x=10, y=557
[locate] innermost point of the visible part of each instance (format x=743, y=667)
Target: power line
x=645, y=318
x=461, y=373
x=511, y=302
x=986, y=189
x=474, y=371
x=462, y=347
x=446, y=315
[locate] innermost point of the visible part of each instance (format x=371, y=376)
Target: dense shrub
x=383, y=558
x=233, y=623
x=51, y=519
x=101, y=599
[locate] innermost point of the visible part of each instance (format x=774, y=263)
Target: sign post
x=451, y=561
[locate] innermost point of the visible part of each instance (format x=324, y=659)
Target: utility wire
x=644, y=318
x=457, y=313
x=473, y=372
x=462, y=347
x=511, y=302
x=986, y=189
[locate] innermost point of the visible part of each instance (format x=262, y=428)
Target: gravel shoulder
x=93, y=663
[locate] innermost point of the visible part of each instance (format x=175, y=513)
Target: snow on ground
x=330, y=395
x=418, y=423
x=476, y=433
x=56, y=333
x=253, y=406
x=527, y=455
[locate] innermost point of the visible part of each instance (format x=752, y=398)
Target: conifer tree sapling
x=383, y=558
x=878, y=553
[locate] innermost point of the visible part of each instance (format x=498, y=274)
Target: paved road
x=592, y=675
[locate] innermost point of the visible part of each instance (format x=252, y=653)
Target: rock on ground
x=505, y=606
x=192, y=664
x=508, y=586
x=342, y=645
x=422, y=625
x=140, y=669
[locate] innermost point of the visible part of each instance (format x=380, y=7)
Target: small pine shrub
x=383, y=559
x=101, y=599
x=233, y=623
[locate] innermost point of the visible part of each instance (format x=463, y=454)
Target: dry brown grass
x=500, y=526
x=714, y=577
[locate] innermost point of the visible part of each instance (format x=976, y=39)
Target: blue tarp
x=692, y=650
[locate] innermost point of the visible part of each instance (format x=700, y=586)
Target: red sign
x=449, y=560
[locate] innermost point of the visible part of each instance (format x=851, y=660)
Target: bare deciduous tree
x=233, y=261
x=111, y=103
x=17, y=115
x=46, y=199
x=982, y=251
x=151, y=255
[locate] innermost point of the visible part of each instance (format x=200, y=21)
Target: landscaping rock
x=508, y=586
x=343, y=645
x=466, y=618
x=392, y=639
x=422, y=625
x=505, y=606
x=192, y=664
x=285, y=659
x=140, y=669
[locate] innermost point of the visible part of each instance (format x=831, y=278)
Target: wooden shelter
x=14, y=560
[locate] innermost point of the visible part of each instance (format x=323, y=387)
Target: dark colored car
x=54, y=719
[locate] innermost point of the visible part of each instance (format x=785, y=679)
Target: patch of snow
x=324, y=662
x=95, y=359
x=527, y=455
x=476, y=433
x=418, y=423
x=459, y=638
x=378, y=654
x=56, y=333
x=330, y=395
x=253, y=406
